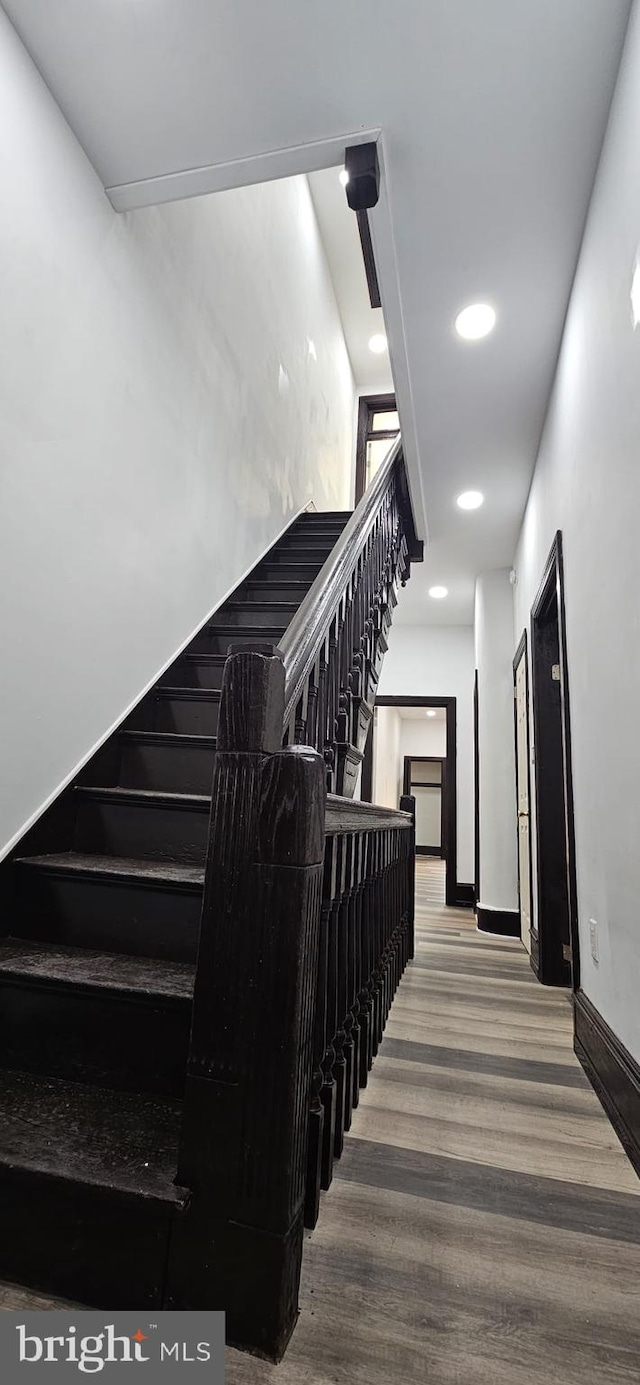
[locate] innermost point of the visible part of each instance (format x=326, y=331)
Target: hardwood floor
x=483, y=1226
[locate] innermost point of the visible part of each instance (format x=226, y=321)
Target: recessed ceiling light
x=344, y=177
x=430, y=714
x=378, y=343
x=438, y=592
x=470, y=500
x=476, y=321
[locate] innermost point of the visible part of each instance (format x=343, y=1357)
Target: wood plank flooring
x=483, y=1226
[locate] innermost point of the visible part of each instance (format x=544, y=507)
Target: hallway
x=483, y=1226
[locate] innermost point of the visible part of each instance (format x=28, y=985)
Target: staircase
x=117, y=1157
x=101, y=910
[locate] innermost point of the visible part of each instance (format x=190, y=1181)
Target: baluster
x=329, y=1092
x=340, y=1065
x=351, y=1044
x=366, y=991
x=322, y=1107
x=359, y=1029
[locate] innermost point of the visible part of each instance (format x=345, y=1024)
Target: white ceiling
x=491, y=116
x=420, y=714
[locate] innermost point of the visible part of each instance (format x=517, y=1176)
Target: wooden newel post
x=243, y=1148
x=408, y=805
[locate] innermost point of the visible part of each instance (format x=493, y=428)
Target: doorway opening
x=554, y=944
x=383, y=748
x=425, y=778
x=523, y=791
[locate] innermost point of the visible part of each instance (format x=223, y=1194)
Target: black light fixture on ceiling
x=362, y=187
x=363, y=176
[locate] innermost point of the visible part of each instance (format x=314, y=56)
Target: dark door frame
x=453, y=892
x=368, y=405
x=476, y=791
x=550, y=593
x=522, y=652
x=407, y=783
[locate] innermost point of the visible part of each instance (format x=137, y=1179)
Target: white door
x=522, y=782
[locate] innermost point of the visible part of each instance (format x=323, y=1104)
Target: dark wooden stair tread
x=284, y=608
x=92, y=1135
x=181, y=690
x=123, y=867
x=76, y=966
x=164, y=798
x=171, y=738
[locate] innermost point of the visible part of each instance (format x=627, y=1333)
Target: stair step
x=290, y=560
x=148, y=824
x=289, y=589
x=165, y=761
x=287, y=571
x=237, y=614
x=112, y=903
x=323, y=519
x=311, y=548
x=22, y=959
x=216, y=639
x=181, y=711
x=111, y=1020
x=78, y=1163
x=319, y=533
x=196, y=671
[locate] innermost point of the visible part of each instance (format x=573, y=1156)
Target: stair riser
x=107, y=915
x=317, y=533
x=155, y=833
x=254, y=616
x=291, y=571
x=181, y=715
x=340, y=517
x=174, y=768
x=218, y=641
x=305, y=550
x=303, y=562
x=294, y=591
x=191, y=674
x=68, y=1241
x=98, y=1037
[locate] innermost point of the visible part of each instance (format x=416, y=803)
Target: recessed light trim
x=470, y=500
x=344, y=177
x=438, y=593
x=475, y=321
x=378, y=343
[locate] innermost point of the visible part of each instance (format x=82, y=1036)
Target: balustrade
x=306, y=927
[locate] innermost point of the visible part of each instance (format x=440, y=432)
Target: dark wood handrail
x=344, y=815
x=300, y=644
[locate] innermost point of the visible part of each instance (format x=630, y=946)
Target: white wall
x=438, y=661
x=387, y=764
x=162, y=417
x=427, y=737
x=493, y=628
x=587, y=483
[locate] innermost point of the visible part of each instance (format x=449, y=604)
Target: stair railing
x=335, y=644
x=307, y=923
